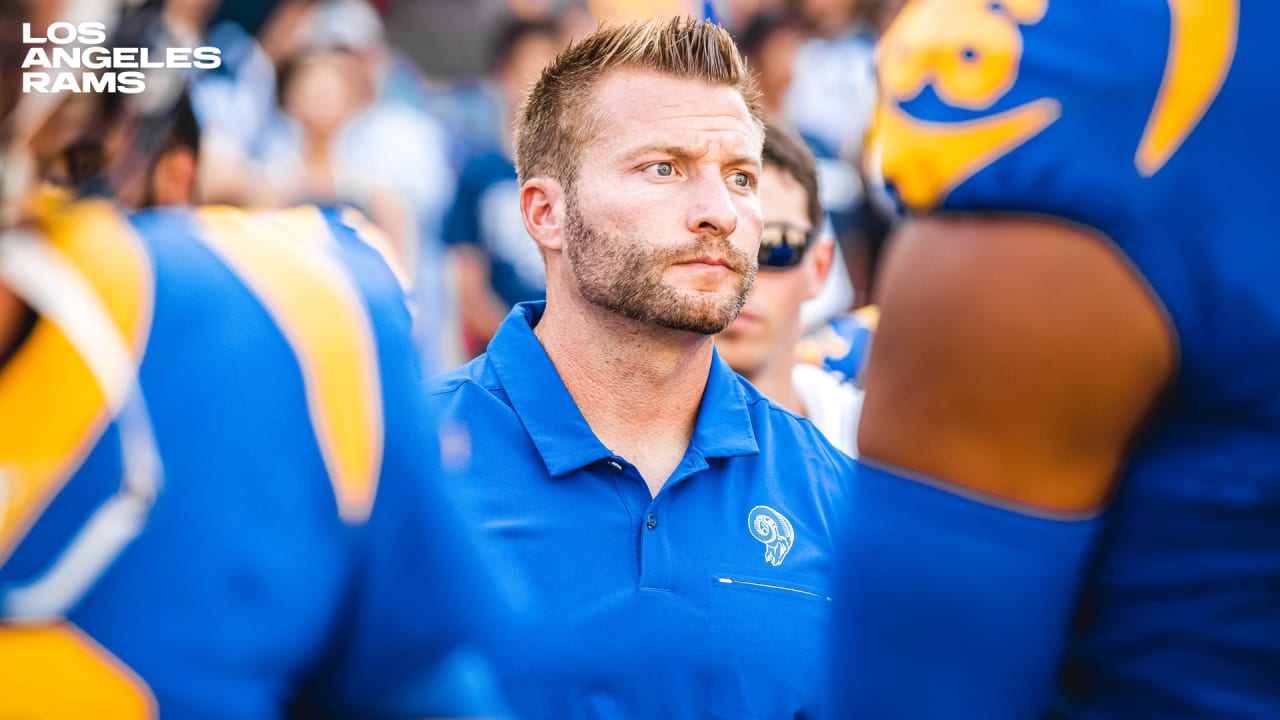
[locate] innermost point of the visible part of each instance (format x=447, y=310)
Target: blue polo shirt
x=708, y=601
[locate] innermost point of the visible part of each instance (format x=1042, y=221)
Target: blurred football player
x=218, y=484
x=1068, y=500
x=794, y=260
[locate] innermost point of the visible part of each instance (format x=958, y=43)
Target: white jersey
x=833, y=404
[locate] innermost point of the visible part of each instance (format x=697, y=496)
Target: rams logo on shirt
x=771, y=528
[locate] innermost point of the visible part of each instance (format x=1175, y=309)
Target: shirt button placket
x=655, y=561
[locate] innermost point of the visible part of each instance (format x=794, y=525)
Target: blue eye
x=741, y=179
x=663, y=169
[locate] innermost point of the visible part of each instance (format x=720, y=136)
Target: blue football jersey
x=254, y=526
x=1149, y=123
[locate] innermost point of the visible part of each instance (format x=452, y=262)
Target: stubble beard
x=623, y=276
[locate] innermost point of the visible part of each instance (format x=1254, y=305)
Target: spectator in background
x=236, y=103
x=495, y=263
x=770, y=43
x=320, y=92
x=833, y=88
x=795, y=258
x=354, y=132
x=342, y=138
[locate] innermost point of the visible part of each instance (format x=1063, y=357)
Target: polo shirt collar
x=538, y=395
x=555, y=424
x=724, y=426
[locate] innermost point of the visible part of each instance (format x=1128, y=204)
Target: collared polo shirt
x=709, y=600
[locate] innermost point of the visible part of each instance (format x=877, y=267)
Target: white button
x=615, y=465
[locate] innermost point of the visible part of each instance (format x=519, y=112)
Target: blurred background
x=403, y=109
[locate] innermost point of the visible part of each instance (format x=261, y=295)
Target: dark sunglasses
x=783, y=245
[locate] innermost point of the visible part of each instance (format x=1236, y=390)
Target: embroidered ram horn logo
x=771, y=528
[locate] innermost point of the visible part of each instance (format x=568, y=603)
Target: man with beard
x=667, y=527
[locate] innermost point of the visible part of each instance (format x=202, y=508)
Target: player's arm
x=425, y=616
x=1015, y=361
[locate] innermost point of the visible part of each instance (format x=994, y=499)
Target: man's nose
x=711, y=207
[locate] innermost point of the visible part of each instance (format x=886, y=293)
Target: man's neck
x=775, y=380
x=638, y=386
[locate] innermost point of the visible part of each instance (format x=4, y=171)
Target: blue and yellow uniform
x=842, y=345
x=272, y=538
x=1151, y=123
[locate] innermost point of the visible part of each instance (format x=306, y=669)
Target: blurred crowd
x=403, y=109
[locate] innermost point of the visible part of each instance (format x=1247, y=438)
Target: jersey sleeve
x=1038, y=107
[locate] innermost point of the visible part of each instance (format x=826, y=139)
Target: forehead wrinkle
x=695, y=141
x=692, y=151
x=650, y=112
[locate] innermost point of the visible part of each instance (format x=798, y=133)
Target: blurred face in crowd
x=830, y=16
x=525, y=61
x=765, y=333
x=325, y=90
x=775, y=61
x=194, y=14
x=662, y=218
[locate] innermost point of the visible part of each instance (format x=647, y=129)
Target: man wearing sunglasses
x=794, y=260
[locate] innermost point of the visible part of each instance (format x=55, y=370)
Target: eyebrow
x=683, y=153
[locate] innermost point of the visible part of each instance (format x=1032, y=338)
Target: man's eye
x=663, y=169
x=741, y=179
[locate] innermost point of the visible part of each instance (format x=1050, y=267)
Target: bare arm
x=1014, y=362
x=1014, y=357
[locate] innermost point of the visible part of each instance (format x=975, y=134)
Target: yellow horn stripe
x=56, y=671
x=926, y=160
x=1202, y=45
x=52, y=411
x=326, y=323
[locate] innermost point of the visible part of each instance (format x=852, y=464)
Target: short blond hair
x=557, y=118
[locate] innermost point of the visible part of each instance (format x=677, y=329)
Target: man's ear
x=542, y=207
x=818, y=262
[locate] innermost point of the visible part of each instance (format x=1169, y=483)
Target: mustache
x=713, y=245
